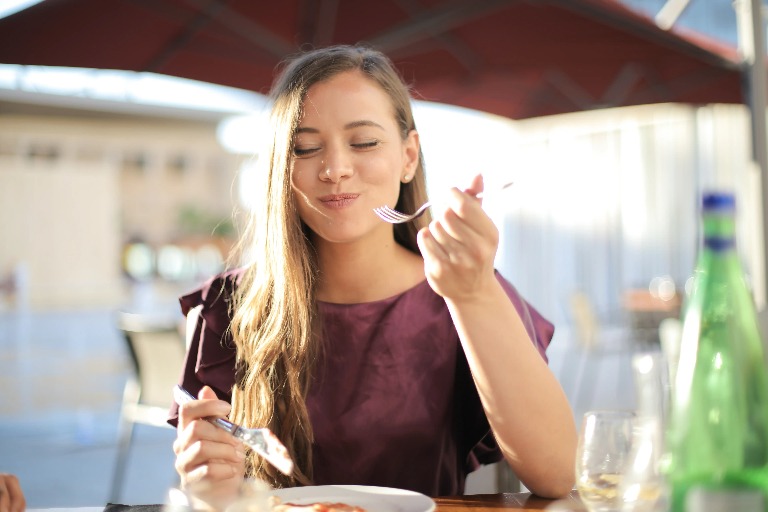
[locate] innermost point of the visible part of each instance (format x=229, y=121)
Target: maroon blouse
x=393, y=402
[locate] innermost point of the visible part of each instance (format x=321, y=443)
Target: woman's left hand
x=459, y=245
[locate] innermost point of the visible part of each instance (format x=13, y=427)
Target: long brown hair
x=274, y=322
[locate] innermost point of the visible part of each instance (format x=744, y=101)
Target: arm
x=523, y=401
x=525, y=405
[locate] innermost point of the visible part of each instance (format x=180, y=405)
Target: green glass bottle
x=717, y=438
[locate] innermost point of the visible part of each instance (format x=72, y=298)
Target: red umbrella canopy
x=513, y=58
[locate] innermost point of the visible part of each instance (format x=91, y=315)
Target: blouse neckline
x=384, y=301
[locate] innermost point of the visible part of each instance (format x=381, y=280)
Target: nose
x=336, y=165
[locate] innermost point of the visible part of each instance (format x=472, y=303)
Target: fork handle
x=495, y=189
x=182, y=396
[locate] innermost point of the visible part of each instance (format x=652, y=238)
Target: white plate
x=372, y=499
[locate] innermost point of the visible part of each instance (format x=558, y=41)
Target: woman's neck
x=360, y=272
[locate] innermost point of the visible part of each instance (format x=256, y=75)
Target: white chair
x=600, y=352
x=584, y=320
x=156, y=349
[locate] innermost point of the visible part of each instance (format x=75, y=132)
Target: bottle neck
x=719, y=231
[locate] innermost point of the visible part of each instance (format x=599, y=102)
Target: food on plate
x=277, y=505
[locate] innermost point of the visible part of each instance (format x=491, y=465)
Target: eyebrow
x=348, y=126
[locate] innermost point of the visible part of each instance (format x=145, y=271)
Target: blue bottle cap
x=718, y=201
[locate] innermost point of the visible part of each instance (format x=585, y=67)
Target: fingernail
x=240, y=452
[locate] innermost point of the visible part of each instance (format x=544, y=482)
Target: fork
x=261, y=440
x=387, y=214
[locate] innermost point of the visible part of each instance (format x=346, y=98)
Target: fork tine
x=389, y=215
x=399, y=216
x=396, y=215
x=381, y=213
x=384, y=212
x=392, y=216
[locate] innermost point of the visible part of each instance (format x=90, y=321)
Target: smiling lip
x=338, y=200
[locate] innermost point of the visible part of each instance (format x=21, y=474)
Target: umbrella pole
x=751, y=28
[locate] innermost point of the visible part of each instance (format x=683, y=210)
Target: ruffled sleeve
x=540, y=330
x=479, y=441
x=210, y=358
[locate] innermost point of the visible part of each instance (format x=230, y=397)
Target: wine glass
x=602, y=457
x=644, y=485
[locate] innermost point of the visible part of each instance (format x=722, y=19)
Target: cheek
x=300, y=177
x=381, y=168
x=302, y=207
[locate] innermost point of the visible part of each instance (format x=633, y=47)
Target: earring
x=407, y=178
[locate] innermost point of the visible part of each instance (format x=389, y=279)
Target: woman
x=379, y=354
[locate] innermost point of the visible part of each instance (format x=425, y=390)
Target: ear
x=410, y=155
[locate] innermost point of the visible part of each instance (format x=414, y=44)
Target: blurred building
x=94, y=198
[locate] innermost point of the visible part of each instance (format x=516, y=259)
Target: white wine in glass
x=604, y=450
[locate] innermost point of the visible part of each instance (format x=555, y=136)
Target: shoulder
x=211, y=350
x=215, y=293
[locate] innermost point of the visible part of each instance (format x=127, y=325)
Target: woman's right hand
x=209, y=460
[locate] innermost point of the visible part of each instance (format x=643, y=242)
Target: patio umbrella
x=514, y=58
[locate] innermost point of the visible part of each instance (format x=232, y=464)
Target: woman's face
x=349, y=157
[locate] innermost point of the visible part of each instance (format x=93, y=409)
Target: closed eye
x=304, y=152
x=366, y=145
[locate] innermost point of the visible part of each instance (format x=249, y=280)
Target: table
x=494, y=502
x=471, y=503
x=647, y=310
